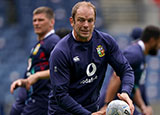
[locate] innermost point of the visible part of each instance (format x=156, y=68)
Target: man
x=148, y=44
x=78, y=64
x=135, y=35
x=35, y=100
x=61, y=32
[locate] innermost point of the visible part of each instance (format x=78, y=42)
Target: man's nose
x=86, y=23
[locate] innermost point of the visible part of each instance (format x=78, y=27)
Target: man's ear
x=52, y=22
x=71, y=21
x=152, y=40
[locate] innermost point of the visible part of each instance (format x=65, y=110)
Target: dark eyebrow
x=90, y=19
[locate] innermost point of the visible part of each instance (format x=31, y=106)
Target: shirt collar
x=73, y=34
x=49, y=33
x=141, y=43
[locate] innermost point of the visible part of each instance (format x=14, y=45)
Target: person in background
x=78, y=64
x=148, y=44
x=34, y=100
x=61, y=32
x=136, y=35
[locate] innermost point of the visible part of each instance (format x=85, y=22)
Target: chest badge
x=36, y=49
x=100, y=51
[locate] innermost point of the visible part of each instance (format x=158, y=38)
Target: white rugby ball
x=118, y=107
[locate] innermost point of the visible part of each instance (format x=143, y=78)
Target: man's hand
x=32, y=79
x=103, y=110
x=122, y=96
x=26, y=83
x=125, y=97
x=19, y=83
x=147, y=110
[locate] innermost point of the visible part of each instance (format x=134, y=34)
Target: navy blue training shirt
x=136, y=57
x=37, y=97
x=39, y=61
x=77, y=71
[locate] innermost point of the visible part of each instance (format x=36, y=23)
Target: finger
x=127, y=100
x=14, y=85
x=120, y=97
x=19, y=83
x=131, y=108
x=124, y=98
x=11, y=89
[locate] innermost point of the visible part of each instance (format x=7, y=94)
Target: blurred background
x=117, y=17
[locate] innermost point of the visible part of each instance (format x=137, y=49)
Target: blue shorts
x=18, y=106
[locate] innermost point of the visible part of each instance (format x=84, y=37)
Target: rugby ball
x=118, y=107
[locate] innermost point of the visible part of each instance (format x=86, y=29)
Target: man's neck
x=43, y=36
x=79, y=39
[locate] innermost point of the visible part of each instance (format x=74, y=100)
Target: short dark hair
x=62, y=32
x=150, y=32
x=43, y=9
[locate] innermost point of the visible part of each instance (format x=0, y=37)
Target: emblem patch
x=36, y=49
x=100, y=51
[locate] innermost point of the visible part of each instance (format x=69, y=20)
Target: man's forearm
x=138, y=99
x=113, y=88
x=32, y=79
x=43, y=74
